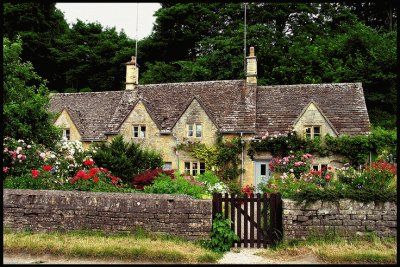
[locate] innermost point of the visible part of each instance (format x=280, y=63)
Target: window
x=194, y=130
x=194, y=168
x=320, y=167
x=66, y=134
x=139, y=131
x=167, y=166
x=312, y=132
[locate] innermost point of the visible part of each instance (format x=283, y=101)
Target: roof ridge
x=188, y=83
x=307, y=84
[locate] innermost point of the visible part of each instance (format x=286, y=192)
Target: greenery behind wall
x=294, y=43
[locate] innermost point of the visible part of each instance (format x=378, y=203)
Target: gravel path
x=235, y=256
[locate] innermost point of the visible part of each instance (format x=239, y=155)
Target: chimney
x=132, y=74
x=251, y=75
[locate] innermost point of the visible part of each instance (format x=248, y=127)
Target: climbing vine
x=222, y=158
x=356, y=149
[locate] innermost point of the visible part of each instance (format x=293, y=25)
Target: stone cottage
x=161, y=116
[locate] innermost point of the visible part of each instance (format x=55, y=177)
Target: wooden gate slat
x=239, y=221
x=245, y=239
x=273, y=218
x=226, y=206
x=265, y=217
x=252, y=221
x=232, y=203
x=259, y=228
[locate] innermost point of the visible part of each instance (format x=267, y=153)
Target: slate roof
x=230, y=104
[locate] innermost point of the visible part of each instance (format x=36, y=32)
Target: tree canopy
x=294, y=42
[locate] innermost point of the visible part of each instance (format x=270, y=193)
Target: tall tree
x=25, y=98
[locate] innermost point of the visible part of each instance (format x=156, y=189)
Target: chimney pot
x=251, y=75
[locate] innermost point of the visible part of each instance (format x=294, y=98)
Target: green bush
x=163, y=184
x=222, y=236
x=125, y=160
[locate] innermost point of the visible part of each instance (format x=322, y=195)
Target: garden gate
x=257, y=220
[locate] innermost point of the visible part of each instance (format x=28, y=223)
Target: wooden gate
x=257, y=220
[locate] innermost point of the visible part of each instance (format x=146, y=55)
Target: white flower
x=42, y=155
x=28, y=146
x=21, y=141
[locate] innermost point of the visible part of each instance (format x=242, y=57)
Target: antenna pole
x=244, y=48
x=137, y=19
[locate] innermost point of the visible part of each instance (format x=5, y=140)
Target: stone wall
x=345, y=216
x=48, y=210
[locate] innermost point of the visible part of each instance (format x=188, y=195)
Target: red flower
x=93, y=171
x=71, y=181
x=329, y=168
x=35, y=173
x=319, y=172
x=95, y=179
x=85, y=176
x=327, y=177
x=103, y=169
x=47, y=167
x=88, y=162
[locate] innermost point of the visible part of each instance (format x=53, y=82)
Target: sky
x=118, y=15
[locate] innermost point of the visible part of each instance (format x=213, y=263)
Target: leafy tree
x=25, y=98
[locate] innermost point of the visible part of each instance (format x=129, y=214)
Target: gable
x=196, y=114
x=64, y=121
x=313, y=116
x=139, y=115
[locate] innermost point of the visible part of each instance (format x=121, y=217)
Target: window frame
x=312, y=134
x=139, y=131
x=200, y=167
x=66, y=132
x=193, y=129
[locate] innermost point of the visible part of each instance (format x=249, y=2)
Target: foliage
x=356, y=149
x=291, y=164
x=164, y=184
x=376, y=183
x=222, y=236
x=25, y=99
x=146, y=178
x=222, y=158
x=212, y=183
x=234, y=187
x=125, y=160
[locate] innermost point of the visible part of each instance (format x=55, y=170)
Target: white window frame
x=66, y=133
x=194, y=168
x=194, y=130
x=139, y=131
x=312, y=133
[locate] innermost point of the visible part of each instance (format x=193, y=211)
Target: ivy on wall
x=356, y=149
x=223, y=158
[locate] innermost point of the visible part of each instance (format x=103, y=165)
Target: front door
x=261, y=173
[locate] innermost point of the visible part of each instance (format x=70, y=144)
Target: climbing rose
x=35, y=173
x=47, y=168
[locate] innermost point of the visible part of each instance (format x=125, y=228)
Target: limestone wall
x=345, y=216
x=46, y=210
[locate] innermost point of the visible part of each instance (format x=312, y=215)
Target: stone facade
x=48, y=210
x=65, y=121
x=344, y=216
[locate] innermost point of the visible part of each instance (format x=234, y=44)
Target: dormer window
x=139, y=131
x=312, y=132
x=66, y=134
x=194, y=130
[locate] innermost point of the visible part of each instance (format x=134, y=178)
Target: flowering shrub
x=375, y=183
x=147, y=177
x=297, y=165
x=248, y=190
x=212, y=183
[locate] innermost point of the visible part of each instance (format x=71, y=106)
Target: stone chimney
x=132, y=74
x=251, y=75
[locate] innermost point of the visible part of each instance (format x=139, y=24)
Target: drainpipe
x=176, y=152
x=242, y=142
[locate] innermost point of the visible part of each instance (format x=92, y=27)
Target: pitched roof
x=232, y=105
x=343, y=104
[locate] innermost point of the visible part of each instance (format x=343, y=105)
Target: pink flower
x=28, y=146
x=298, y=163
x=327, y=177
x=19, y=156
x=5, y=150
x=5, y=169
x=42, y=155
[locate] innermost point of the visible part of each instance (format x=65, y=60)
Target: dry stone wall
x=50, y=210
x=344, y=216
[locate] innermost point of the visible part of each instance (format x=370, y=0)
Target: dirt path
x=235, y=256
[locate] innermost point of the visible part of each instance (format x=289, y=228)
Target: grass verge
x=136, y=247
x=338, y=249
